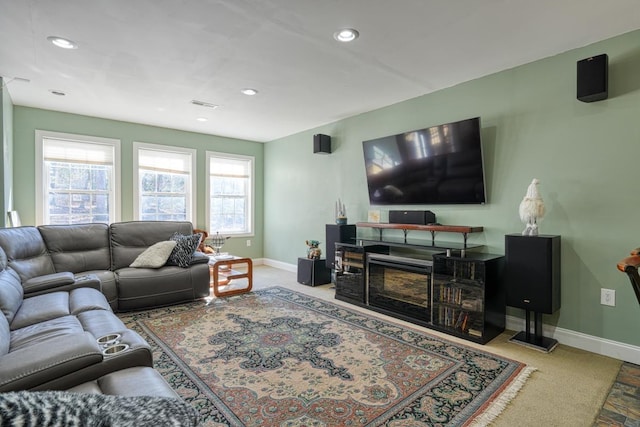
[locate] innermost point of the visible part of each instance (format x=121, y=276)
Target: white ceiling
x=143, y=61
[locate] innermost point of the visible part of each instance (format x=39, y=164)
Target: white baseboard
x=281, y=265
x=597, y=345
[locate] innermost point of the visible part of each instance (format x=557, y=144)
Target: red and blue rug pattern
x=275, y=357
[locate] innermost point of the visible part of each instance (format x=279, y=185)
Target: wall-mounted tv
x=437, y=165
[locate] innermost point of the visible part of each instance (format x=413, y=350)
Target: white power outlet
x=248, y=242
x=608, y=297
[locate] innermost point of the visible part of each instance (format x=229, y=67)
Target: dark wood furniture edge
x=629, y=265
x=445, y=228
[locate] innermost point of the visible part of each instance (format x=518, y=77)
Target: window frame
x=40, y=185
x=191, y=203
x=250, y=199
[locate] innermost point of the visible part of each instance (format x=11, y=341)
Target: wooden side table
x=222, y=273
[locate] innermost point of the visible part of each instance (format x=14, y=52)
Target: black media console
x=445, y=287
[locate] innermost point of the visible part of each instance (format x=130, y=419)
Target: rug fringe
x=499, y=404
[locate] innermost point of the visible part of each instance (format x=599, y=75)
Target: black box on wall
x=593, y=78
x=321, y=144
x=412, y=217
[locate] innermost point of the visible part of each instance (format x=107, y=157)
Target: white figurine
x=531, y=209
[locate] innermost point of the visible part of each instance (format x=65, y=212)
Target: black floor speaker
x=592, y=78
x=532, y=272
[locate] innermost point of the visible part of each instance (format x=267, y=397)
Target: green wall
x=585, y=156
x=28, y=120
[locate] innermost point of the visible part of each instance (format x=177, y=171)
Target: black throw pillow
x=186, y=245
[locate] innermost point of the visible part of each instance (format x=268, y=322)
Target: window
x=230, y=190
x=165, y=189
x=77, y=179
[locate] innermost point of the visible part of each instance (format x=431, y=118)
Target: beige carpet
x=567, y=389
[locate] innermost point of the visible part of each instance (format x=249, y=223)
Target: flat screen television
x=437, y=165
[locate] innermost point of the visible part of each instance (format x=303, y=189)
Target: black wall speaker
x=532, y=272
x=593, y=79
x=321, y=144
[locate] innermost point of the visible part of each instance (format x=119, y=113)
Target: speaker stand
x=535, y=340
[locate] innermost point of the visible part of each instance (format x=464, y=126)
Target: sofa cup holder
x=115, y=349
x=109, y=340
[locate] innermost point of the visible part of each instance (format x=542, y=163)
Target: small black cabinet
x=469, y=298
x=337, y=233
x=350, y=266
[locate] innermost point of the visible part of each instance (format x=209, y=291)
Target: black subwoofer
x=532, y=273
x=313, y=272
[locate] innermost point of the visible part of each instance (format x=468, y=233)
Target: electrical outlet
x=608, y=297
x=248, y=242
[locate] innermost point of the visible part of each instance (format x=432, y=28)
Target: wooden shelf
x=433, y=229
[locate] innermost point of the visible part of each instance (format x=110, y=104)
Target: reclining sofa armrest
x=64, y=281
x=48, y=282
x=31, y=366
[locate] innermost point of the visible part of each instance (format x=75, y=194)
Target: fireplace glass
x=400, y=285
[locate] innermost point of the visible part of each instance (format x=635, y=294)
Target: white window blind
x=57, y=150
x=166, y=186
x=164, y=161
x=77, y=179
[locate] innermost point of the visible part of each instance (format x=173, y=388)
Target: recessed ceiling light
x=62, y=42
x=249, y=91
x=57, y=92
x=202, y=119
x=346, y=35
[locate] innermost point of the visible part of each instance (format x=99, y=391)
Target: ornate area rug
x=276, y=357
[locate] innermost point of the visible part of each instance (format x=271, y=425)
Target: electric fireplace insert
x=400, y=285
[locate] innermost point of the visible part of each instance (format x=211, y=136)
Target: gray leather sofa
x=66, y=257
x=141, y=380
x=59, y=288
x=49, y=341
